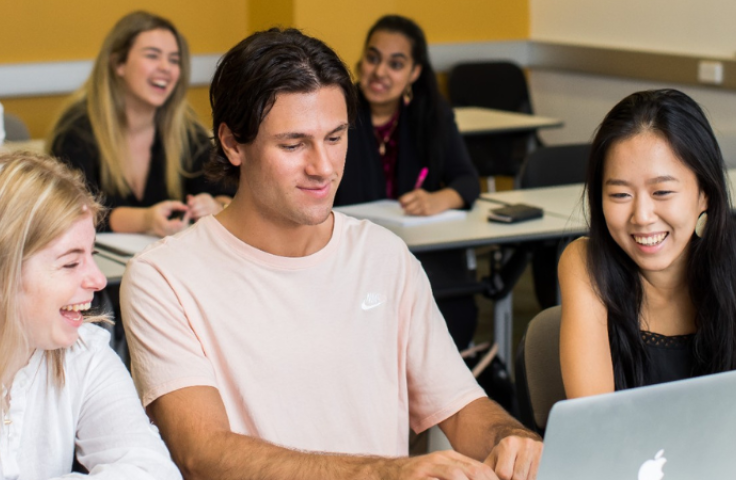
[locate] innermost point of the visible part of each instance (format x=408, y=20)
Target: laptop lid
x=680, y=430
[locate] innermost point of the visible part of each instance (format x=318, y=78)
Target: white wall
x=705, y=27
x=700, y=27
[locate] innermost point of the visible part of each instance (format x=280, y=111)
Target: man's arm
x=194, y=425
x=484, y=431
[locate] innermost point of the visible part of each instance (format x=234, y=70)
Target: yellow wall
x=343, y=25
x=264, y=14
x=56, y=30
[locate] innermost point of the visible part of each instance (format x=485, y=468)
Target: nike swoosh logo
x=366, y=306
x=372, y=300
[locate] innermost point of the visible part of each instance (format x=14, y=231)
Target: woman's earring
x=700, y=224
x=408, y=95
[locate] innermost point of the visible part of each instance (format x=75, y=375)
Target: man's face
x=291, y=171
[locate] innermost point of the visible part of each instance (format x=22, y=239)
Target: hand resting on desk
x=422, y=203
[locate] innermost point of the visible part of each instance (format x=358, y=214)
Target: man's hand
x=446, y=465
x=516, y=457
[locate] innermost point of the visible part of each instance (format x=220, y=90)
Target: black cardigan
x=78, y=148
x=364, y=180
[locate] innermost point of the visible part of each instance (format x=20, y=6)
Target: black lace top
x=670, y=357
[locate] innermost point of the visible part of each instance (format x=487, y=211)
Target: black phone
x=177, y=214
x=514, y=213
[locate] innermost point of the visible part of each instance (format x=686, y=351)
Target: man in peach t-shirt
x=282, y=340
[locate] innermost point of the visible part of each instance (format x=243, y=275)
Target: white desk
x=478, y=120
x=564, y=201
x=36, y=146
x=475, y=231
x=112, y=269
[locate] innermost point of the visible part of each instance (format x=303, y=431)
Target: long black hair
x=711, y=264
x=424, y=110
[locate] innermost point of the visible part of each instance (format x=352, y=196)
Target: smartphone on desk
x=514, y=213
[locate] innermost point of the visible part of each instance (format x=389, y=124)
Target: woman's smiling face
x=57, y=285
x=651, y=202
x=387, y=67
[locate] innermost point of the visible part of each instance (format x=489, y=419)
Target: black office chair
x=555, y=165
x=15, y=129
x=546, y=167
x=538, y=375
x=500, y=85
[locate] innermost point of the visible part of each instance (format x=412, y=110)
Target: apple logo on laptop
x=652, y=469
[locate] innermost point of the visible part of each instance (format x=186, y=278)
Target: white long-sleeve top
x=97, y=411
x=2, y=125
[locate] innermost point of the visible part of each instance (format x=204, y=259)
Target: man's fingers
x=516, y=458
x=448, y=465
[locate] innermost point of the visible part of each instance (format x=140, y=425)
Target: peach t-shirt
x=338, y=351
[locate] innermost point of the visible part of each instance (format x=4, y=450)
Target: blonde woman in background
x=64, y=391
x=130, y=130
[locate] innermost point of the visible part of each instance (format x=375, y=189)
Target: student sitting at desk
x=406, y=146
x=650, y=296
x=403, y=126
x=65, y=393
x=300, y=343
x=132, y=133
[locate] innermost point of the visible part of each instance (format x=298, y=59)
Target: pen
x=420, y=178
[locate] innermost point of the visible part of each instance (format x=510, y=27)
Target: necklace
x=384, y=138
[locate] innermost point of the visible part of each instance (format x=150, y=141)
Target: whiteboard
x=694, y=27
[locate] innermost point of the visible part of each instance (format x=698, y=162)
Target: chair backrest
x=538, y=375
x=15, y=129
x=500, y=85
x=555, y=165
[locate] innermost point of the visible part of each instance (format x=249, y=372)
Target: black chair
x=546, y=167
x=499, y=85
x=555, y=165
x=538, y=375
x=15, y=129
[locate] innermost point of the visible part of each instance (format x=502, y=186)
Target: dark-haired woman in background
x=403, y=125
x=650, y=296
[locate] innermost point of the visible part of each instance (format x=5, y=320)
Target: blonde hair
x=102, y=99
x=40, y=198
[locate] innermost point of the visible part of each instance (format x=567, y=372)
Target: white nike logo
x=372, y=300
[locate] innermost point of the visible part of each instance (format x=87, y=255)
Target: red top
x=388, y=149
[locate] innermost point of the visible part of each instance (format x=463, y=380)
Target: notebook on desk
x=389, y=212
x=122, y=245
x=672, y=431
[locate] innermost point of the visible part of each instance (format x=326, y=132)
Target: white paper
x=124, y=243
x=389, y=212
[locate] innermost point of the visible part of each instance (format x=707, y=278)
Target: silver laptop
x=683, y=430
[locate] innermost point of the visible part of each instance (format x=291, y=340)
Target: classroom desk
x=36, y=146
x=478, y=120
x=565, y=201
x=112, y=269
x=476, y=231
